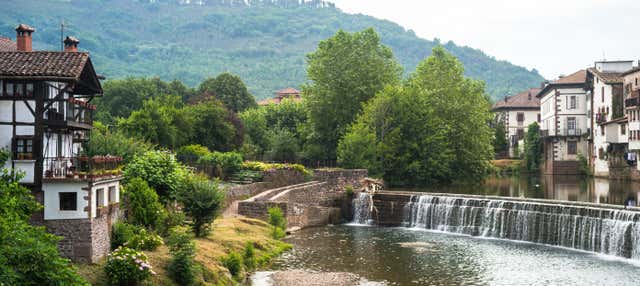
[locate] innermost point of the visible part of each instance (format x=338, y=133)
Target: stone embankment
x=319, y=202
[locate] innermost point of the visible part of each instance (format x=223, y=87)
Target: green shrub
x=142, y=204
x=160, y=170
x=224, y=164
x=143, y=240
x=170, y=220
x=126, y=266
x=264, y=167
x=249, y=256
x=121, y=233
x=348, y=190
x=182, y=266
x=234, y=263
x=191, y=153
x=278, y=221
x=202, y=201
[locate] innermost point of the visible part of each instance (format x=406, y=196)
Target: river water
x=404, y=256
x=564, y=188
x=414, y=255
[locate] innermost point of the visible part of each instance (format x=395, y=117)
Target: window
x=602, y=130
x=572, y=147
x=538, y=117
x=112, y=194
x=9, y=89
x=520, y=133
x=520, y=116
x=68, y=201
x=19, y=89
x=571, y=123
x=23, y=148
x=29, y=91
x=601, y=153
x=623, y=129
x=602, y=92
x=99, y=197
x=571, y=102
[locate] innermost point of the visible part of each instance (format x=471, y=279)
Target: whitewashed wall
x=52, y=200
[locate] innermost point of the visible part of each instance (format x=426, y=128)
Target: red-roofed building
x=287, y=93
x=517, y=112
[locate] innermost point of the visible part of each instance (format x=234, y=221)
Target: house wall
x=513, y=125
x=52, y=192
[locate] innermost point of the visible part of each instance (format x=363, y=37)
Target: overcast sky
x=554, y=36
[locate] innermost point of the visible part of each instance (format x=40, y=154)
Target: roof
x=7, y=44
x=58, y=66
x=607, y=77
x=575, y=79
x=633, y=70
x=520, y=101
x=289, y=90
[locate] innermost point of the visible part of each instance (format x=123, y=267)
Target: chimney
x=529, y=94
x=71, y=44
x=23, y=38
x=506, y=98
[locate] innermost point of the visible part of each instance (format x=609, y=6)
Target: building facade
x=516, y=113
x=45, y=117
x=565, y=107
x=631, y=93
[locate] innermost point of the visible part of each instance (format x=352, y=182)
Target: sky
x=556, y=37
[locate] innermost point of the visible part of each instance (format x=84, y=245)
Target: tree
x=229, y=89
x=160, y=170
x=28, y=254
x=432, y=130
x=345, y=71
x=214, y=126
x=142, y=204
x=106, y=142
x=500, y=143
x=202, y=201
x=533, y=147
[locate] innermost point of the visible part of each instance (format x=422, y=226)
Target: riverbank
x=228, y=235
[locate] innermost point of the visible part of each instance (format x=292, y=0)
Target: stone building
x=45, y=116
x=517, y=112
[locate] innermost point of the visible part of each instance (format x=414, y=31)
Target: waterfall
x=608, y=231
x=362, y=209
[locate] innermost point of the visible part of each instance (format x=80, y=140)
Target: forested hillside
x=264, y=42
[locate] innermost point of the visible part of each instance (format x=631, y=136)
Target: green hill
x=263, y=41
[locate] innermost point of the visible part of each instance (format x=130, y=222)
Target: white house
x=45, y=115
x=609, y=132
x=631, y=93
x=565, y=105
x=517, y=112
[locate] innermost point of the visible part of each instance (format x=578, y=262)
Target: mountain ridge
x=264, y=42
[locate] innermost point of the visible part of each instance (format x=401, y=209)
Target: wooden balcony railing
x=82, y=167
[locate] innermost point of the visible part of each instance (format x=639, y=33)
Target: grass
x=228, y=235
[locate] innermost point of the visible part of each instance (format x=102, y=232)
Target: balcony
x=564, y=132
x=601, y=118
x=632, y=102
x=73, y=115
x=82, y=168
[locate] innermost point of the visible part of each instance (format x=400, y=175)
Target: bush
x=234, y=263
x=142, y=204
x=278, y=221
x=126, y=266
x=191, y=153
x=348, y=190
x=224, y=164
x=133, y=237
x=122, y=232
x=160, y=170
x=144, y=241
x=202, y=201
x=264, y=167
x=182, y=265
x=170, y=220
x=249, y=256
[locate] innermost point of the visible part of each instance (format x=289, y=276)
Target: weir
x=605, y=229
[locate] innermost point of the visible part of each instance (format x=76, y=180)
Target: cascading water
x=608, y=231
x=362, y=209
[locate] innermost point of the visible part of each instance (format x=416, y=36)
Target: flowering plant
x=127, y=267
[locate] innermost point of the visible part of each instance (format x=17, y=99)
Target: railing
x=72, y=110
x=564, y=132
x=81, y=167
x=601, y=118
x=633, y=101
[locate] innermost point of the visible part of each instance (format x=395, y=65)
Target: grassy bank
x=507, y=166
x=229, y=235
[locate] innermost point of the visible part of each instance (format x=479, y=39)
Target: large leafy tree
x=433, y=129
x=229, y=89
x=214, y=126
x=345, y=71
x=28, y=254
x=533, y=147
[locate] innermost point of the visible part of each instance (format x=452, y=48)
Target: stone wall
x=272, y=179
x=339, y=178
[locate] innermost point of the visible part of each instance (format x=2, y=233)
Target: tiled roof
x=520, y=100
x=607, y=77
x=7, y=45
x=633, y=70
x=287, y=91
x=54, y=65
x=577, y=77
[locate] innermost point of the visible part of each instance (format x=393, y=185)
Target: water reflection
x=565, y=188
